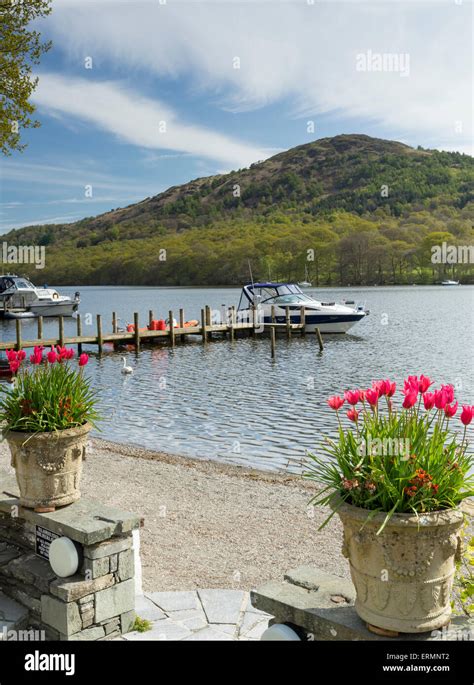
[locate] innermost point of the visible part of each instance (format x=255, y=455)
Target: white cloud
x=136, y=119
x=300, y=53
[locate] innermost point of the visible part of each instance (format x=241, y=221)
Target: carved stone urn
x=403, y=577
x=48, y=466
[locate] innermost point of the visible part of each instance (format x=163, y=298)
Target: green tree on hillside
x=20, y=48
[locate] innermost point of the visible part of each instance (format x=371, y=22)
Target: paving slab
x=222, y=606
x=252, y=620
x=162, y=630
x=174, y=601
x=146, y=609
x=208, y=633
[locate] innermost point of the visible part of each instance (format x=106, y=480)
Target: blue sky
x=179, y=90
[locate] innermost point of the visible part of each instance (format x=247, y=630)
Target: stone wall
x=97, y=603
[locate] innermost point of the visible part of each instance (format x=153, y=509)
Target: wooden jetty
x=138, y=336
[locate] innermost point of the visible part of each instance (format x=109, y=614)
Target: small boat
x=306, y=283
x=329, y=317
x=20, y=299
x=448, y=282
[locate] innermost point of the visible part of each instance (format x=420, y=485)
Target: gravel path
x=210, y=525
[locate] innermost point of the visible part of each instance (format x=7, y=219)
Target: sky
x=137, y=96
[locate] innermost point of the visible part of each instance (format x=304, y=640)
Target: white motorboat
x=448, y=282
x=19, y=298
x=329, y=317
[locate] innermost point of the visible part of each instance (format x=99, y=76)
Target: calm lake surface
x=229, y=401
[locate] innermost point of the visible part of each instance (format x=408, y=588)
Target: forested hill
x=353, y=209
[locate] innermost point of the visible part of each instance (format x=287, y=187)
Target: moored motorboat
x=20, y=299
x=329, y=317
x=448, y=282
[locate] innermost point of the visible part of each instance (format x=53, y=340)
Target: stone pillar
x=98, y=602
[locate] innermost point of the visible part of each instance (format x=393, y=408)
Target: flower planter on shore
x=48, y=466
x=397, y=477
x=46, y=417
x=404, y=576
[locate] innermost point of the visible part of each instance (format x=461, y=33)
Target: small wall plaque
x=44, y=538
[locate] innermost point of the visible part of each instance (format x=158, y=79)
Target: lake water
x=231, y=402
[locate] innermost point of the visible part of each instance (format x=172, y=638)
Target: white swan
x=126, y=369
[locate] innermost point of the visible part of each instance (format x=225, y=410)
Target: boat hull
x=326, y=323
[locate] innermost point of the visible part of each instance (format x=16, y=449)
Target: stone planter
x=48, y=466
x=404, y=576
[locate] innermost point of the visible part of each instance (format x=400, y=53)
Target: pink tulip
x=361, y=395
x=70, y=354
x=372, y=396
x=352, y=396
x=21, y=355
x=390, y=388
x=379, y=386
x=352, y=414
x=429, y=400
x=36, y=358
x=52, y=356
x=424, y=383
x=83, y=359
x=441, y=399
x=12, y=356
x=14, y=365
x=449, y=390
x=450, y=410
x=467, y=414
x=410, y=399
x=410, y=384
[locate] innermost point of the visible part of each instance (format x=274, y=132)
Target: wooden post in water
x=208, y=320
x=79, y=334
x=151, y=316
x=203, y=326
x=272, y=340
x=320, y=339
x=137, y=331
x=288, y=322
x=40, y=327
x=171, y=320
x=303, y=320
x=61, y=330
x=181, y=323
x=232, y=322
x=254, y=321
x=273, y=313
x=18, y=334
x=114, y=322
x=100, y=338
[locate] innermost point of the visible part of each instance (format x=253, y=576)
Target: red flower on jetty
x=84, y=358
x=352, y=396
x=467, y=414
